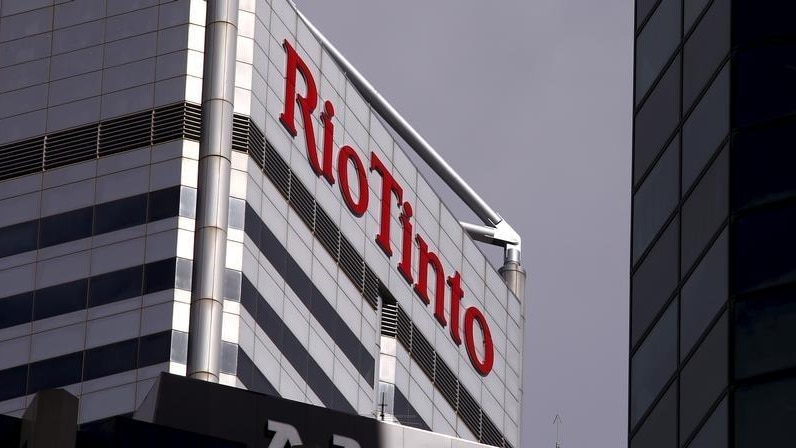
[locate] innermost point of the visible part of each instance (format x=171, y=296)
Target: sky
x=530, y=101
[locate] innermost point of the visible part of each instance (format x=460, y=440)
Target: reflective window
x=765, y=331
x=252, y=225
x=154, y=349
x=188, y=202
x=659, y=430
x=704, y=293
x=759, y=20
x=703, y=378
x=179, y=347
x=764, y=84
x=655, y=200
x=184, y=274
x=654, y=281
x=61, y=299
x=656, y=121
x=164, y=203
x=159, y=276
x=229, y=357
x=110, y=359
x=705, y=49
x=232, y=279
x=237, y=209
x=763, y=164
x=706, y=128
x=16, y=310
x=691, y=10
x=705, y=209
x=653, y=363
x=656, y=43
x=715, y=432
x=643, y=8
x=19, y=238
x=764, y=414
x=13, y=382
x=55, y=372
x=248, y=296
x=65, y=227
x=765, y=244
x=115, y=286
x=115, y=215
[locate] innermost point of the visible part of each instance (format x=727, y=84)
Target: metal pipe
x=514, y=277
x=212, y=205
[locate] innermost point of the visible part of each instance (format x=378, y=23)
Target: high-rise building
x=713, y=298
x=207, y=188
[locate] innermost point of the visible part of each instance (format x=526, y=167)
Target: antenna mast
x=558, y=422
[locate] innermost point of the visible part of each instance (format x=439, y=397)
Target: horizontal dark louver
x=490, y=433
x=371, y=287
x=404, y=329
x=327, y=233
x=423, y=353
x=21, y=158
x=125, y=133
x=447, y=382
x=389, y=319
x=71, y=146
x=303, y=203
x=470, y=412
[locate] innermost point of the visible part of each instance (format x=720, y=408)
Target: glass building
x=713, y=271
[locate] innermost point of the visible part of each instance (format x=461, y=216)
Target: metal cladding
x=212, y=207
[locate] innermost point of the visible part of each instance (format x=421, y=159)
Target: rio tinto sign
x=348, y=159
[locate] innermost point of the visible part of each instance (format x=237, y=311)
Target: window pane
x=656, y=120
x=110, y=359
x=692, y=9
x=705, y=210
x=643, y=8
x=765, y=244
x=154, y=349
x=164, y=203
x=654, y=281
x=184, y=274
x=55, y=372
x=653, y=363
x=656, y=43
x=19, y=238
x=159, y=276
x=13, y=382
x=705, y=50
x=764, y=84
x=188, y=202
x=115, y=286
x=764, y=414
x=704, y=293
x=656, y=199
x=763, y=167
x=115, y=215
x=69, y=226
x=758, y=20
x=660, y=428
x=61, y=299
x=706, y=128
x=765, y=331
x=16, y=309
x=703, y=378
x=715, y=431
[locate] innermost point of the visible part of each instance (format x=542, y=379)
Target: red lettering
x=389, y=187
x=360, y=206
x=307, y=103
x=405, y=265
x=455, y=282
x=430, y=259
x=328, y=137
x=471, y=316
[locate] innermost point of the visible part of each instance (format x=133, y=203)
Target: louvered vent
x=389, y=319
x=327, y=233
x=470, y=412
x=277, y=170
x=303, y=203
x=21, y=158
x=125, y=133
x=371, y=287
x=423, y=353
x=489, y=432
x=446, y=382
x=71, y=146
x=404, y=330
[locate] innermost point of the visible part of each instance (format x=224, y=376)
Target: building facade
x=347, y=282
x=712, y=273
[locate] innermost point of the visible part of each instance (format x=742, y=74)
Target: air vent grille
x=21, y=158
x=71, y=146
x=389, y=319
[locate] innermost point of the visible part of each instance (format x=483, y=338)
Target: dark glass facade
x=713, y=259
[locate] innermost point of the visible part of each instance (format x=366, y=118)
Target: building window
x=765, y=331
x=656, y=43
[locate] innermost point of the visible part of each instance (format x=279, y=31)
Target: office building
x=218, y=194
x=712, y=301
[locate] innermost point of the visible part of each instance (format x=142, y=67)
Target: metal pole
x=212, y=206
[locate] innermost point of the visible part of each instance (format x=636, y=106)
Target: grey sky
x=530, y=100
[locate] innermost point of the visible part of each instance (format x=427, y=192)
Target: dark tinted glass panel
x=656, y=199
x=159, y=276
x=656, y=43
x=765, y=244
x=16, y=309
x=764, y=84
x=229, y=357
x=184, y=274
x=115, y=286
x=643, y=8
x=252, y=225
x=706, y=128
x=763, y=164
x=704, y=293
x=154, y=349
x=237, y=211
x=656, y=121
x=764, y=414
x=55, y=372
x=179, y=347
x=765, y=331
x=654, y=281
x=232, y=279
x=653, y=363
x=188, y=202
x=66, y=227
x=61, y=299
x=762, y=20
x=248, y=296
x=12, y=382
x=705, y=50
x=127, y=212
x=715, y=432
x=19, y=238
x=703, y=378
x=705, y=209
x=692, y=9
x=110, y=359
x=659, y=430
x=164, y=203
